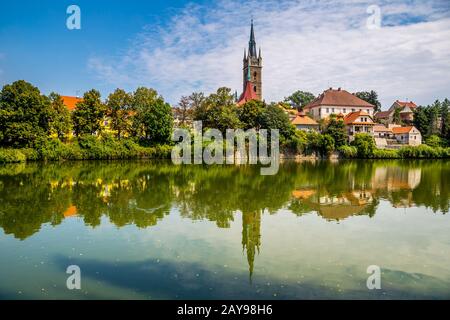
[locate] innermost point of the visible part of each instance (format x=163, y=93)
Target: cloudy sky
x=178, y=47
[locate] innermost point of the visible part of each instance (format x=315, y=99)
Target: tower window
x=254, y=88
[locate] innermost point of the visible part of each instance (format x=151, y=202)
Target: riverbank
x=89, y=148
x=112, y=149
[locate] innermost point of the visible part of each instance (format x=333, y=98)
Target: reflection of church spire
x=251, y=237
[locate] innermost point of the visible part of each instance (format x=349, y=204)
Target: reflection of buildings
x=70, y=212
x=391, y=179
x=337, y=207
x=251, y=236
x=396, y=183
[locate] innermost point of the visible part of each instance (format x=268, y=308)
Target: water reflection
x=144, y=193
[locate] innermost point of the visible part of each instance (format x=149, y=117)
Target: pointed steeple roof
x=252, y=43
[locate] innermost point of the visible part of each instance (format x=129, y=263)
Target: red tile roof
x=248, y=95
x=382, y=114
x=302, y=119
x=409, y=104
x=71, y=102
x=400, y=130
x=338, y=97
x=351, y=117
x=381, y=128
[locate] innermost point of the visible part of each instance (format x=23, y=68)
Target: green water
x=152, y=230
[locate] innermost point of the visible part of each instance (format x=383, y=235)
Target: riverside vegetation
x=139, y=125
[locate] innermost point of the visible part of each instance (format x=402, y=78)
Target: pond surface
x=153, y=230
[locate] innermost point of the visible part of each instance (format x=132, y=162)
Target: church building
x=252, y=72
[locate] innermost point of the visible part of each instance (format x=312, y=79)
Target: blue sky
x=178, y=47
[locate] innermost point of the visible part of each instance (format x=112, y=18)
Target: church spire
x=252, y=43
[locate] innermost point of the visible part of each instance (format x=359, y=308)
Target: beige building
x=305, y=123
x=409, y=135
x=358, y=122
x=338, y=102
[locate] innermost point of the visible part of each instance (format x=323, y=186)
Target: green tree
x=421, y=121
x=60, y=120
x=153, y=121
x=299, y=99
x=327, y=145
x=250, y=114
x=397, y=119
x=24, y=115
x=336, y=129
x=365, y=145
x=445, y=120
x=217, y=111
x=370, y=97
x=434, y=141
x=88, y=115
x=274, y=117
x=119, y=111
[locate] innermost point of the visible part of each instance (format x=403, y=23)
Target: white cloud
x=308, y=45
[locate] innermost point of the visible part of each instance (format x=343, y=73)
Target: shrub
x=365, y=145
x=348, y=151
x=434, y=141
x=11, y=156
x=385, y=154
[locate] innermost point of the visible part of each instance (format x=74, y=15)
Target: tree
x=336, y=129
x=434, y=141
x=217, y=111
x=153, y=121
x=60, y=121
x=184, y=110
x=421, y=121
x=370, y=97
x=119, y=111
x=88, y=115
x=397, y=119
x=250, y=114
x=365, y=145
x=24, y=115
x=299, y=99
x=327, y=145
x=445, y=120
x=274, y=117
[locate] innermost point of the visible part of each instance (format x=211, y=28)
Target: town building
x=337, y=102
x=409, y=135
x=406, y=113
x=305, y=123
x=394, y=136
x=358, y=122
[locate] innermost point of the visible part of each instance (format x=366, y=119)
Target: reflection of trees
x=143, y=193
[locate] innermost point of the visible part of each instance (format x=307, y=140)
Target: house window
x=368, y=111
x=328, y=110
x=332, y=110
x=353, y=110
x=344, y=110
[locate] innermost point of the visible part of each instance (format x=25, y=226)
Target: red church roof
x=247, y=95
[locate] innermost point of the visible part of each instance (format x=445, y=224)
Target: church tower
x=252, y=71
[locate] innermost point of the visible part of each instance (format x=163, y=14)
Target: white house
x=338, y=102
